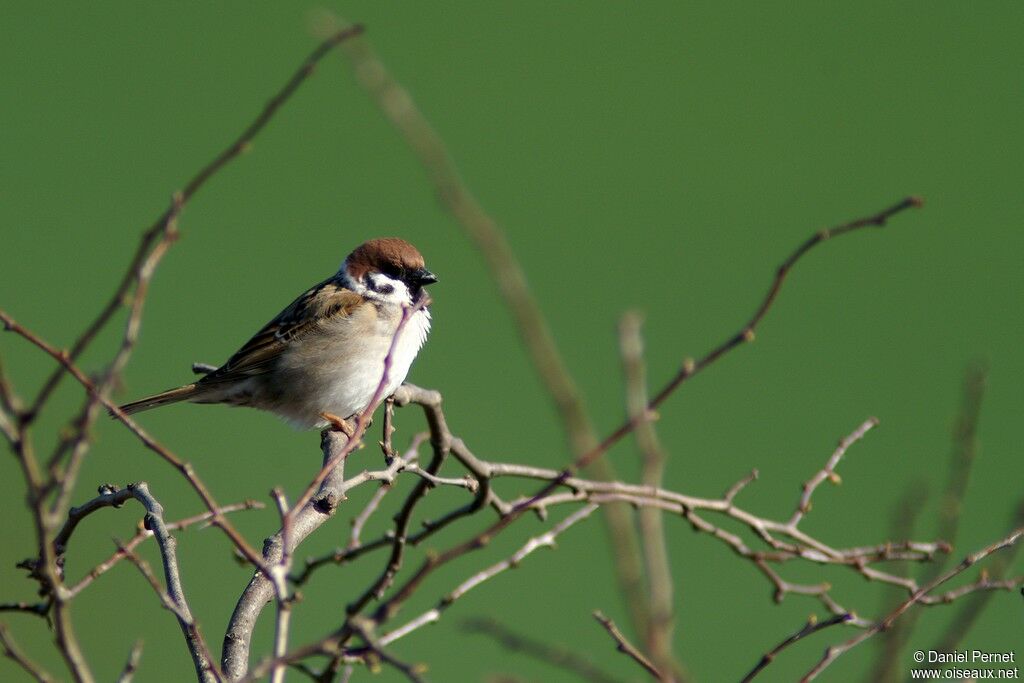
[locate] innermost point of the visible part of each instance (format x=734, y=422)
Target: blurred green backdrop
x=661, y=156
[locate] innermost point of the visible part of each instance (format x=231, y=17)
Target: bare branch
x=747, y=332
x=13, y=652
x=557, y=656
x=184, y=468
x=364, y=629
x=689, y=369
x=110, y=496
x=962, y=456
x=132, y=665
x=284, y=602
x=174, y=595
x=363, y=517
x=316, y=511
x=660, y=584
x=39, y=609
x=144, y=533
x=922, y=596
x=158, y=230
x=10, y=407
x=829, y=471
x=975, y=605
x=625, y=647
x=441, y=444
x=544, y=540
x=397, y=105
x=812, y=626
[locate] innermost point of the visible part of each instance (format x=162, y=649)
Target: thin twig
x=143, y=534
x=236, y=148
x=961, y=623
x=441, y=444
x=625, y=647
x=481, y=539
x=132, y=665
x=397, y=105
x=395, y=102
x=746, y=333
x=77, y=443
x=921, y=595
x=10, y=407
x=556, y=656
x=184, y=468
x=13, y=652
x=963, y=452
x=364, y=629
x=39, y=609
x=813, y=625
x=545, y=540
x=206, y=669
x=829, y=471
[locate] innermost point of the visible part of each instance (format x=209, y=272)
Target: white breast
x=339, y=371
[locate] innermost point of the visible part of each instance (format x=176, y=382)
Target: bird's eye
x=393, y=271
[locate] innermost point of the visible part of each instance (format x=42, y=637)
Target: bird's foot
x=339, y=424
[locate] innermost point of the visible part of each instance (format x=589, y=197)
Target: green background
x=661, y=156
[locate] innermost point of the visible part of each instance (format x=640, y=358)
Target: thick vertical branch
x=660, y=584
x=260, y=591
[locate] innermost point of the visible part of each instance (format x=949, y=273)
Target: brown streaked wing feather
x=325, y=300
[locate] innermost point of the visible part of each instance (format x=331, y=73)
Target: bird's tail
x=170, y=396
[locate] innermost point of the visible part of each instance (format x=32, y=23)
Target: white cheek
x=385, y=289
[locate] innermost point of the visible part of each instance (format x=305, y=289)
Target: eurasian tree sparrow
x=322, y=358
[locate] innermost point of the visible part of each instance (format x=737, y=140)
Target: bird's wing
x=303, y=316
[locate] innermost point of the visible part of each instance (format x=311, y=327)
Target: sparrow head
x=388, y=269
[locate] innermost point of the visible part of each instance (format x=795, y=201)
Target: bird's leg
x=339, y=424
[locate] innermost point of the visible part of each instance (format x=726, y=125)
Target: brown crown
x=379, y=254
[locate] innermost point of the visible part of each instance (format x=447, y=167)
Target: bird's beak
x=424, y=277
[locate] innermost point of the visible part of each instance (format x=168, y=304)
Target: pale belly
x=338, y=372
